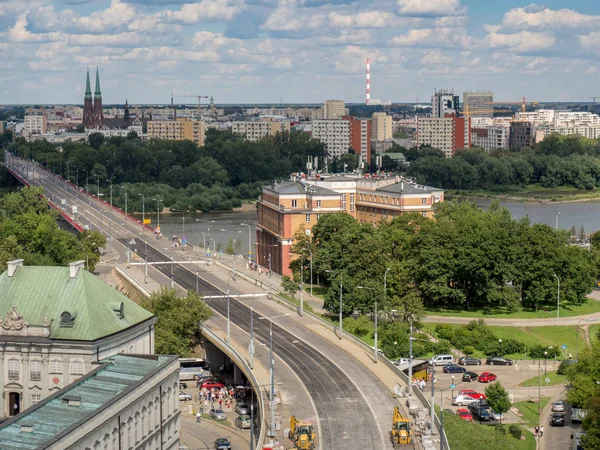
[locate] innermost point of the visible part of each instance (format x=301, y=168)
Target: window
x=318, y=217
x=55, y=366
x=13, y=369
x=308, y=218
x=35, y=369
x=35, y=398
x=76, y=368
x=294, y=203
x=424, y=214
x=423, y=201
x=318, y=203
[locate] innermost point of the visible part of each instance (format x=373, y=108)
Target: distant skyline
x=304, y=51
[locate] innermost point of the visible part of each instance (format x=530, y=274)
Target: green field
x=530, y=192
x=555, y=379
x=566, y=310
x=529, y=410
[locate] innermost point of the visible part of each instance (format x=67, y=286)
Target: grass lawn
x=593, y=330
x=529, y=410
x=555, y=379
x=566, y=310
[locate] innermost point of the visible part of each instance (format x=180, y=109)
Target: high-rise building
x=35, y=124
x=177, y=130
x=447, y=134
x=444, y=102
x=333, y=109
x=522, y=134
x=490, y=138
x=478, y=104
x=255, y=130
x=360, y=137
x=382, y=126
x=334, y=134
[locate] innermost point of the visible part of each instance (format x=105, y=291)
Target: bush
x=515, y=431
x=468, y=350
x=542, y=351
x=562, y=367
x=442, y=347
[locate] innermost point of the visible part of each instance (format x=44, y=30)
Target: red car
x=487, y=377
x=212, y=384
x=464, y=414
x=473, y=394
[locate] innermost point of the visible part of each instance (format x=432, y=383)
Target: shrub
x=539, y=352
x=441, y=347
x=515, y=431
x=468, y=350
x=562, y=367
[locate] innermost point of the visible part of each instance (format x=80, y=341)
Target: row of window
x=395, y=201
x=35, y=368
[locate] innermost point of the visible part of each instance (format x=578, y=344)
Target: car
x=558, y=406
x=487, y=377
x=496, y=416
x=182, y=385
x=468, y=361
x=453, y=368
x=471, y=393
x=441, y=360
x=183, y=397
x=222, y=444
x=243, y=422
x=218, y=414
x=463, y=400
x=480, y=413
x=499, y=361
x=557, y=419
x=212, y=384
x=242, y=409
x=464, y=414
x=469, y=376
x=401, y=361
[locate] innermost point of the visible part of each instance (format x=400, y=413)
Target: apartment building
x=255, y=130
x=177, y=130
x=444, y=102
x=35, y=124
x=333, y=109
x=522, y=134
x=447, y=134
x=478, y=104
x=285, y=208
x=334, y=134
x=491, y=138
x=382, y=126
x=360, y=137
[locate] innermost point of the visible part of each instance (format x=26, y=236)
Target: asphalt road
x=345, y=419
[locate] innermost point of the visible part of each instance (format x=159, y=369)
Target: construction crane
x=485, y=111
x=199, y=97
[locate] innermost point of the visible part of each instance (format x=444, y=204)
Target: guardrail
x=239, y=360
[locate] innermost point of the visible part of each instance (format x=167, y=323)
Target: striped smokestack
x=368, y=80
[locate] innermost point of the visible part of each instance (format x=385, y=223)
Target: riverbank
x=530, y=194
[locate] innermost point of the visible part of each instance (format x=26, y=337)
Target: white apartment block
x=491, y=138
x=484, y=122
x=334, y=109
x=34, y=125
x=559, y=119
x=255, y=130
x=590, y=132
x=381, y=126
x=334, y=134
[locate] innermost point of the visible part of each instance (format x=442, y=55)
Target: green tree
x=230, y=249
x=96, y=140
x=179, y=319
x=497, y=397
x=290, y=286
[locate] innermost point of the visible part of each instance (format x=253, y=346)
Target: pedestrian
x=537, y=430
x=542, y=431
x=198, y=416
x=222, y=368
x=220, y=403
x=15, y=409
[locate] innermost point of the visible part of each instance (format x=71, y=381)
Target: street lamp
x=249, y=240
x=204, y=237
x=110, y=181
x=143, y=209
x=557, y=299
x=157, y=200
x=341, y=297
x=126, y=216
x=375, y=318
x=545, y=362
x=311, y=277
x=585, y=319
x=272, y=368
x=557, y=215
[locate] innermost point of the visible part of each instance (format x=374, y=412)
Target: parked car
x=468, y=361
x=499, y=361
x=222, y=444
x=479, y=412
x=212, y=384
x=557, y=419
x=471, y=393
x=441, y=360
x=559, y=406
x=453, y=368
x=242, y=409
x=182, y=385
x=487, y=377
x=469, y=376
x=463, y=400
x=218, y=414
x=464, y=414
x=401, y=361
x=183, y=397
x=243, y=422
x=496, y=416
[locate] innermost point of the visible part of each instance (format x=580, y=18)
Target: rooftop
x=294, y=187
x=61, y=413
x=81, y=307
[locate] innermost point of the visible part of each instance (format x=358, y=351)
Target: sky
x=297, y=51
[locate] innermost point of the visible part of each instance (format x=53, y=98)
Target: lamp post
x=143, y=209
x=557, y=299
x=375, y=319
x=249, y=240
x=111, y=184
x=98, y=187
x=157, y=200
x=214, y=245
x=585, y=319
x=341, y=299
x=311, y=266
x=86, y=180
x=384, y=304
x=545, y=362
x=126, y=216
x=204, y=237
x=557, y=215
x=272, y=370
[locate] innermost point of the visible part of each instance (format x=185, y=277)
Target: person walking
x=537, y=430
x=542, y=431
x=198, y=416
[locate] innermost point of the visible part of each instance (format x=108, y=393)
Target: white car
x=463, y=400
x=401, y=361
x=183, y=397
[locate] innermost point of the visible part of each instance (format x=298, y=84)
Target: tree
x=96, y=140
x=290, y=286
x=497, y=397
x=177, y=329
x=230, y=250
x=80, y=129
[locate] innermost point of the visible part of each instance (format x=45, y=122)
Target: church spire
x=97, y=93
x=88, y=90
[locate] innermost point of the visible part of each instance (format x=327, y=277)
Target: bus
x=190, y=368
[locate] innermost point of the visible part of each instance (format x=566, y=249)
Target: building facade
x=92, y=110
x=382, y=126
x=34, y=125
x=522, y=134
x=491, y=138
x=446, y=134
x=478, y=104
x=125, y=402
x=177, y=130
x=334, y=134
x=333, y=110
x=298, y=204
x=255, y=130
x=60, y=321
x=360, y=137
x=444, y=102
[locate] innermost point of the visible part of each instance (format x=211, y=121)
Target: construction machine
x=401, y=432
x=302, y=434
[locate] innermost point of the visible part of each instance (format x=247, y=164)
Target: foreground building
x=285, y=207
x=125, y=402
x=447, y=134
x=59, y=322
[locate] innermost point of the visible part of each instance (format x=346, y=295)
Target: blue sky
x=258, y=51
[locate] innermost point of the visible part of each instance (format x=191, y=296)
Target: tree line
x=466, y=258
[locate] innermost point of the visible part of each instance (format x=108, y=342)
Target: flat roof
x=53, y=418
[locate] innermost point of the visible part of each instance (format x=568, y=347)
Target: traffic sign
x=547, y=380
x=452, y=386
x=147, y=221
x=564, y=346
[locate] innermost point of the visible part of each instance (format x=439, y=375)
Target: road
x=345, y=413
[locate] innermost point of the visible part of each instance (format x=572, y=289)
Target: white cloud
x=20, y=33
x=535, y=17
x=282, y=63
x=434, y=37
x=592, y=71
x=366, y=19
x=165, y=53
x=286, y=17
x=436, y=57
x=204, y=11
x=590, y=41
x=430, y=7
x=523, y=41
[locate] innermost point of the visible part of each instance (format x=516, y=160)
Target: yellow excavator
x=401, y=432
x=302, y=434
